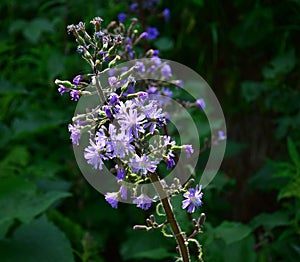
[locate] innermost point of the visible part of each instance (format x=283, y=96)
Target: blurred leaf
x=154, y=246
x=199, y=2
x=294, y=153
x=164, y=44
x=55, y=64
x=282, y=64
x=35, y=28
x=232, y=232
x=7, y=87
x=39, y=240
x=291, y=189
x=250, y=31
x=270, y=221
x=252, y=90
x=19, y=199
x=233, y=148
x=242, y=250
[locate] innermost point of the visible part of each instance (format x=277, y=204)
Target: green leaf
x=291, y=189
x=232, y=232
x=270, y=221
x=39, y=240
x=280, y=65
x=293, y=153
x=19, y=199
x=199, y=2
x=252, y=90
x=35, y=28
x=164, y=43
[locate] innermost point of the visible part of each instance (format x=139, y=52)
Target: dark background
x=248, y=52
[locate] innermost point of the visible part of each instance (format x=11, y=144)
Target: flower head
x=75, y=134
x=143, y=201
x=112, y=199
x=74, y=95
x=77, y=79
x=200, y=103
x=166, y=14
x=152, y=33
x=188, y=150
x=194, y=199
x=122, y=17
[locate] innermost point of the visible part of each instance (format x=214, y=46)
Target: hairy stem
x=183, y=248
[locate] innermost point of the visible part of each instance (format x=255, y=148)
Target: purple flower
x=140, y=67
x=166, y=71
x=155, y=52
x=170, y=163
x=75, y=134
x=221, y=135
x=107, y=111
x=77, y=79
x=200, y=103
x=152, y=90
x=80, y=49
x=152, y=33
x=144, y=35
x=143, y=164
x=74, y=95
x=119, y=142
x=122, y=17
x=166, y=14
x=113, y=99
x=120, y=174
x=143, y=201
x=94, y=154
x=194, y=199
x=134, y=7
x=188, y=150
x=132, y=122
x=123, y=192
x=112, y=199
x=62, y=89
x=112, y=80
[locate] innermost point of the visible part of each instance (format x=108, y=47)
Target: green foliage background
x=248, y=51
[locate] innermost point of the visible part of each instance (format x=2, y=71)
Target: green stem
x=178, y=234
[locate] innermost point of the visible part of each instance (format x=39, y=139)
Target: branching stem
x=178, y=234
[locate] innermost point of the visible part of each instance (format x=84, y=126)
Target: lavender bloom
x=200, y=103
x=112, y=199
x=80, y=49
x=119, y=142
x=166, y=71
x=120, y=174
x=143, y=164
x=74, y=95
x=194, y=199
x=93, y=153
x=166, y=14
x=112, y=80
x=170, y=163
x=134, y=7
x=155, y=52
x=77, y=79
x=122, y=17
x=143, y=201
x=107, y=111
x=132, y=122
x=221, y=135
x=188, y=150
x=113, y=99
x=140, y=67
x=75, y=134
x=152, y=33
x=123, y=192
x=144, y=35
x=62, y=89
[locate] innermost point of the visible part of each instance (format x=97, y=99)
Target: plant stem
x=99, y=89
x=183, y=248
